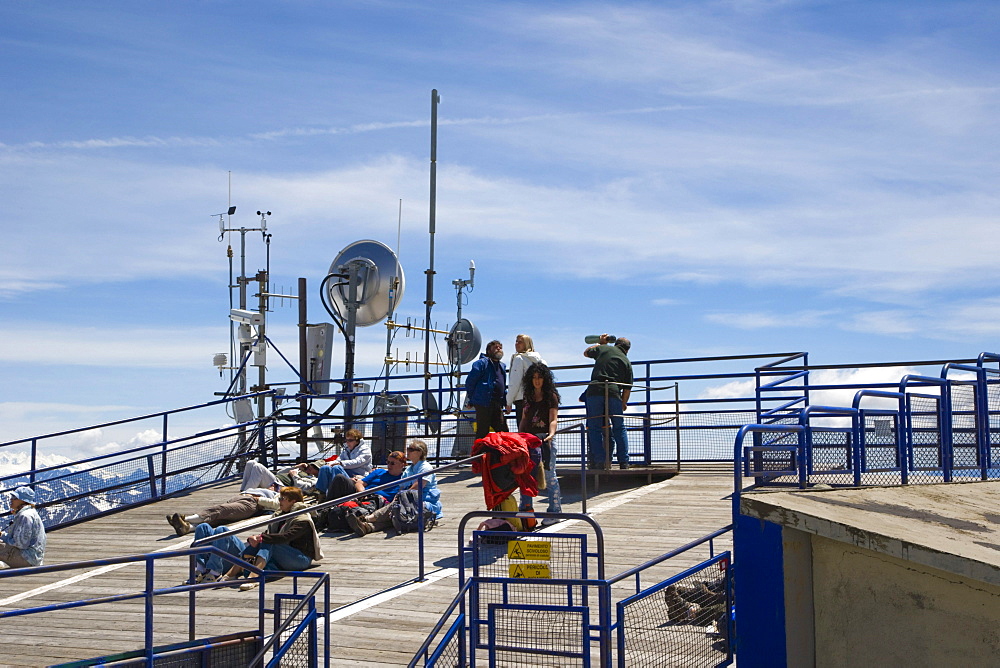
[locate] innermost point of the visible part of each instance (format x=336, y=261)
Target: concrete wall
x=875, y=609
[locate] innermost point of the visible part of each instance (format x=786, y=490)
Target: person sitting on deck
x=243, y=506
x=341, y=486
x=354, y=460
x=291, y=544
x=381, y=519
x=23, y=544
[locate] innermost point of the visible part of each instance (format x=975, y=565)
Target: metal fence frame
x=149, y=594
x=453, y=639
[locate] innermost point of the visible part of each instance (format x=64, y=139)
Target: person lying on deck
x=290, y=544
x=303, y=476
x=243, y=506
x=381, y=519
x=341, y=486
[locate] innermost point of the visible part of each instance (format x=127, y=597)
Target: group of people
x=292, y=543
x=532, y=387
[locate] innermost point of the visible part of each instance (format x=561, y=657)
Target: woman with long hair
x=541, y=418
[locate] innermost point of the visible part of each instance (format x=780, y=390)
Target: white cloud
x=869, y=377
x=736, y=388
x=46, y=343
x=771, y=320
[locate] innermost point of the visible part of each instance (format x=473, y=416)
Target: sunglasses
x=413, y=449
x=352, y=440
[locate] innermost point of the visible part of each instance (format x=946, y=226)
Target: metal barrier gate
x=542, y=599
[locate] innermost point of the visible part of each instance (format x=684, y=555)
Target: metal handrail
x=135, y=419
x=455, y=602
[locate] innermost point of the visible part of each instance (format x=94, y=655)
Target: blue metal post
x=149, y=611
x=420, y=530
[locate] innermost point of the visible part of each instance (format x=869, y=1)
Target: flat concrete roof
x=954, y=527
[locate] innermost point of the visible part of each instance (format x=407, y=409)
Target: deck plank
x=666, y=515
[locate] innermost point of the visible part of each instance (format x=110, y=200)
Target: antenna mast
x=435, y=99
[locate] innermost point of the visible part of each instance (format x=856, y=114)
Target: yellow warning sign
x=529, y=571
x=532, y=550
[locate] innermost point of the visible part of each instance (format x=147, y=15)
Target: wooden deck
x=640, y=520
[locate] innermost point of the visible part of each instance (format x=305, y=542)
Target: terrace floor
x=372, y=623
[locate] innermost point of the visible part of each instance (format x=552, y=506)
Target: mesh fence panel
x=926, y=434
x=565, y=562
x=450, y=654
x=300, y=652
x=964, y=433
x=709, y=435
x=880, y=463
x=772, y=456
x=831, y=452
x=683, y=624
x=993, y=421
x=526, y=636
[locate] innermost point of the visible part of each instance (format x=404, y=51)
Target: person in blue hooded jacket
x=23, y=544
x=486, y=390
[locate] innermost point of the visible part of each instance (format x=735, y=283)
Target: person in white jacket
x=524, y=356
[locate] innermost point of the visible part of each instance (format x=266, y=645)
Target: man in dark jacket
x=486, y=390
x=606, y=398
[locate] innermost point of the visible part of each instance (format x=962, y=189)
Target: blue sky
x=704, y=177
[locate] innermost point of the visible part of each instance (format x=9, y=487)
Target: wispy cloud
x=769, y=320
x=112, y=346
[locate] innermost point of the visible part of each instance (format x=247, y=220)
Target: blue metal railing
x=68, y=493
x=150, y=593
x=916, y=441
x=459, y=640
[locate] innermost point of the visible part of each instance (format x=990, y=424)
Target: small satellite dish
x=377, y=269
x=464, y=342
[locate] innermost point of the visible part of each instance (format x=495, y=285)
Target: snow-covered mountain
x=69, y=493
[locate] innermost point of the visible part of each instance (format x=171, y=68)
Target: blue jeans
x=551, y=484
x=231, y=544
x=279, y=557
x=596, y=410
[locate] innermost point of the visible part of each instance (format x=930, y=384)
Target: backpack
x=406, y=511
x=335, y=519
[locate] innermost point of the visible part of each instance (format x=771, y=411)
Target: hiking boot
x=359, y=526
x=180, y=525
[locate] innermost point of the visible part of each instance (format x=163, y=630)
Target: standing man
x=606, y=397
x=486, y=390
x=23, y=543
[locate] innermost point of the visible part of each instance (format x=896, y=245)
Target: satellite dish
x=464, y=342
x=375, y=267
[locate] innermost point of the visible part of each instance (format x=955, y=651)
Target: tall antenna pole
x=435, y=98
